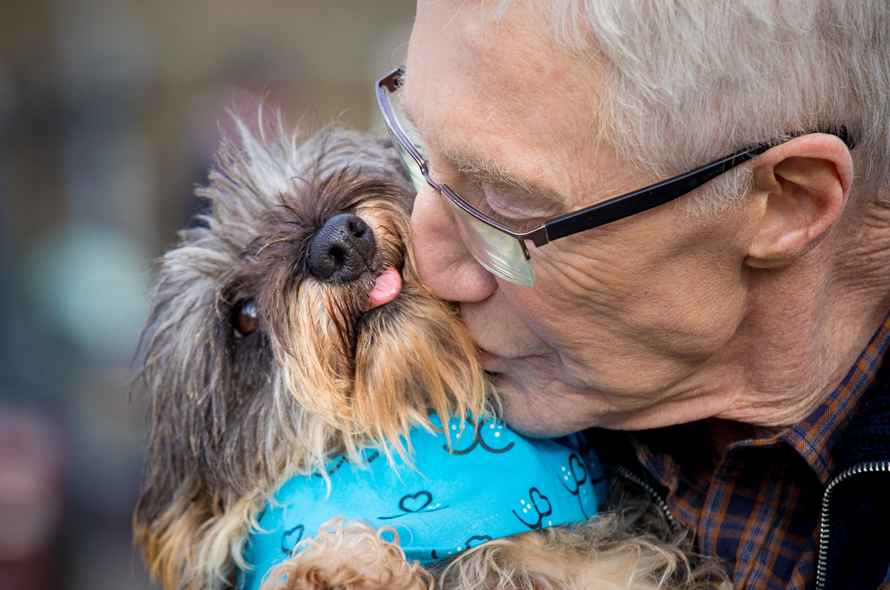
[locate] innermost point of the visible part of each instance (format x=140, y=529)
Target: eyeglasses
x=503, y=251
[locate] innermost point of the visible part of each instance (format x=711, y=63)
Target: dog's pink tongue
x=386, y=288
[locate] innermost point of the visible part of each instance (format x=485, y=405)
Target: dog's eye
x=246, y=320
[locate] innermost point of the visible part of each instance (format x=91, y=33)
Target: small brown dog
x=266, y=358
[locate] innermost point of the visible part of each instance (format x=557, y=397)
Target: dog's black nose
x=342, y=250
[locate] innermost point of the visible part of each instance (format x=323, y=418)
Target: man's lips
x=387, y=286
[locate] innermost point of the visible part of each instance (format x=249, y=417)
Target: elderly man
x=722, y=333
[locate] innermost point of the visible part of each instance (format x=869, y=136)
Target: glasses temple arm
x=646, y=198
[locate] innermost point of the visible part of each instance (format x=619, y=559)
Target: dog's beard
x=396, y=375
x=373, y=373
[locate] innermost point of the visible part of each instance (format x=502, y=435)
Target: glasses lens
x=501, y=254
x=408, y=130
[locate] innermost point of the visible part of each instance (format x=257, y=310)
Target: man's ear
x=803, y=185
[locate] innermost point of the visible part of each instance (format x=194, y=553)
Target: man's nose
x=444, y=264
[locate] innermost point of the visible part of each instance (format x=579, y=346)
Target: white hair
x=690, y=81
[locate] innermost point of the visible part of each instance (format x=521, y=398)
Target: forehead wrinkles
x=500, y=93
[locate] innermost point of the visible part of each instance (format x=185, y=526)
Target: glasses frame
x=589, y=217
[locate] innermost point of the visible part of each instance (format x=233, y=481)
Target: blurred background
x=110, y=113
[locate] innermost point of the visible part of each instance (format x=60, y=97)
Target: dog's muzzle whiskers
x=344, y=311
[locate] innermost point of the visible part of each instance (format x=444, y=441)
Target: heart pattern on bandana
x=291, y=538
x=422, y=501
x=416, y=502
x=540, y=501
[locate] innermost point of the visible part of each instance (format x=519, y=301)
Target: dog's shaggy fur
x=316, y=372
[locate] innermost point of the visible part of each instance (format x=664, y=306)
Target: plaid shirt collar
x=816, y=436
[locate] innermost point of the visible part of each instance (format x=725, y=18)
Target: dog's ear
x=179, y=369
x=202, y=382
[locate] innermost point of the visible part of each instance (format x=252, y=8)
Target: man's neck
x=807, y=326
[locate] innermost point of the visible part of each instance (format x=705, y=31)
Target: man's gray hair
x=691, y=81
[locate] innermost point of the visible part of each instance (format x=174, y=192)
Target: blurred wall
x=110, y=112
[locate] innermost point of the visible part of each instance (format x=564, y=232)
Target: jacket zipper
x=824, y=528
x=659, y=502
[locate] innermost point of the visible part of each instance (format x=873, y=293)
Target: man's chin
x=537, y=415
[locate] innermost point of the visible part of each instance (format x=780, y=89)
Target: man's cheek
x=499, y=326
x=555, y=316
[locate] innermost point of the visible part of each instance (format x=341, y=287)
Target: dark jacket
x=858, y=523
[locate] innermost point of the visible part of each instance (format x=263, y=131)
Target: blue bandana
x=489, y=483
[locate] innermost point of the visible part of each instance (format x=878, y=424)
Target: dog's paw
x=351, y=556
